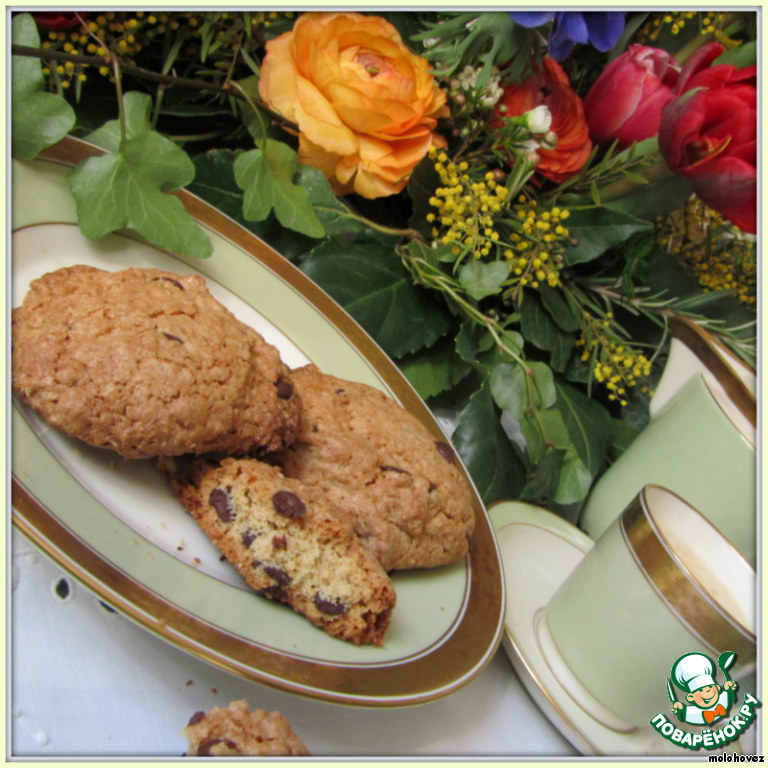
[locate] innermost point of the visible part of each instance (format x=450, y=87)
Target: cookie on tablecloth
x=145, y=363
x=402, y=490
x=236, y=730
x=287, y=544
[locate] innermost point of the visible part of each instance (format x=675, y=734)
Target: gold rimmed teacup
x=694, y=350
x=700, y=446
x=660, y=582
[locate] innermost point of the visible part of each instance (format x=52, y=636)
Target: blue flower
x=600, y=28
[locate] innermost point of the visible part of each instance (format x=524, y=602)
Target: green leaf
x=654, y=199
x=597, y=230
x=539, y=329
x=543, y=384
x=559, y=309
x=38, y=119
x=125, y=190
x=266, y=175
x=480, y=279
x=136, y=108
x=435, y=370
x=508, y=387
x=743, y=56
x=334, y=216
x=487, y=452
x=543, y=478
x=368, y=279
x=589, y=425
x=574, y=482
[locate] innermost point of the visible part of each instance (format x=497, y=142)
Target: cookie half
x=287, y=544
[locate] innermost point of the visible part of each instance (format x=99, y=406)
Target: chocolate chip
x=445, y=451
x=288, y=504
x=284, y=389
x=248, y=537
x=279, y=542
x=278, y=574
x=204, y=750
x=169, y=280
x=256, y=563
x=219, y=500
x=390, y=468
x=171, y=337
x=275, y=592
x=330, y=607
x=197, y=717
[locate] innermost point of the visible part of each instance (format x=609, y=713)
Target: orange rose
x=366, y=107
x=550, y=86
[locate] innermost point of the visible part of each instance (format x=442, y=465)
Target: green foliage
x=516, y=326
x=38, y=119
x=266, y=176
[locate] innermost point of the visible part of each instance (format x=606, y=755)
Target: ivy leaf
x=127, y=190
x=266, y=176
x=38, y=119
x=481, y=279
x=597, y=230
x=435, y=370
x=368, y=279
x=487, y=452
x=334, y=216
x=136, y=108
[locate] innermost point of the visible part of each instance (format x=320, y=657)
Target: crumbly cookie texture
x=287, y=544
x=236, y=730
x=402, y=490
x=145, y=363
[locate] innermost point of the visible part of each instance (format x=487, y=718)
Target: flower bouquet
x=513, y=205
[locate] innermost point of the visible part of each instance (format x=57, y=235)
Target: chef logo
x=704, y=701
x=697, y=698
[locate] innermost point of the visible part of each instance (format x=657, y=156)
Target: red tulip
x=549, y=86
x=59, y=19
x=626, y=101
x=708, y=134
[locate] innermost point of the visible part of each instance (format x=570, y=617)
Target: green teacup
x=659, y=583
x=700, y=446
x=692, y=351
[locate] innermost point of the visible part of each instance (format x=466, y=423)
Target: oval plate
x=115, y=526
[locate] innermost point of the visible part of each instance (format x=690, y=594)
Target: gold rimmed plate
x=114, y=525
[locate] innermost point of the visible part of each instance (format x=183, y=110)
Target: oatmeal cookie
x=287, y=545
x=145, y=363
x=402, y=490
x=236, y=730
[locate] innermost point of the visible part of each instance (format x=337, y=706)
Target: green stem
x=626, y=186
x=120, y=105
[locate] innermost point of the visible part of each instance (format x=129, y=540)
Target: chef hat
x=693, y=671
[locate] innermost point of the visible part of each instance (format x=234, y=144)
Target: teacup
x=692, y=351
x=659, y=583
x=700, y=446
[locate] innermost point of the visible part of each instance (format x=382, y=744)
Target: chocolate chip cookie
x=401, y=489
x=146, y=363
x=236, y=730
x=287, y=544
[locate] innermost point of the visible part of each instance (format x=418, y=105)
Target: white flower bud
x=539, y=119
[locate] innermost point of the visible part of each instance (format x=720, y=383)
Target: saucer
x=539, y=550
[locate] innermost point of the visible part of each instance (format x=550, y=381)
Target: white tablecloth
x=88, y=682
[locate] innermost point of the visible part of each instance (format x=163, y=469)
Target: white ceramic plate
x=114, y=524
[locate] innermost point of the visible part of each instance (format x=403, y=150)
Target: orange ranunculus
x=366, y=107
x=550, y=86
